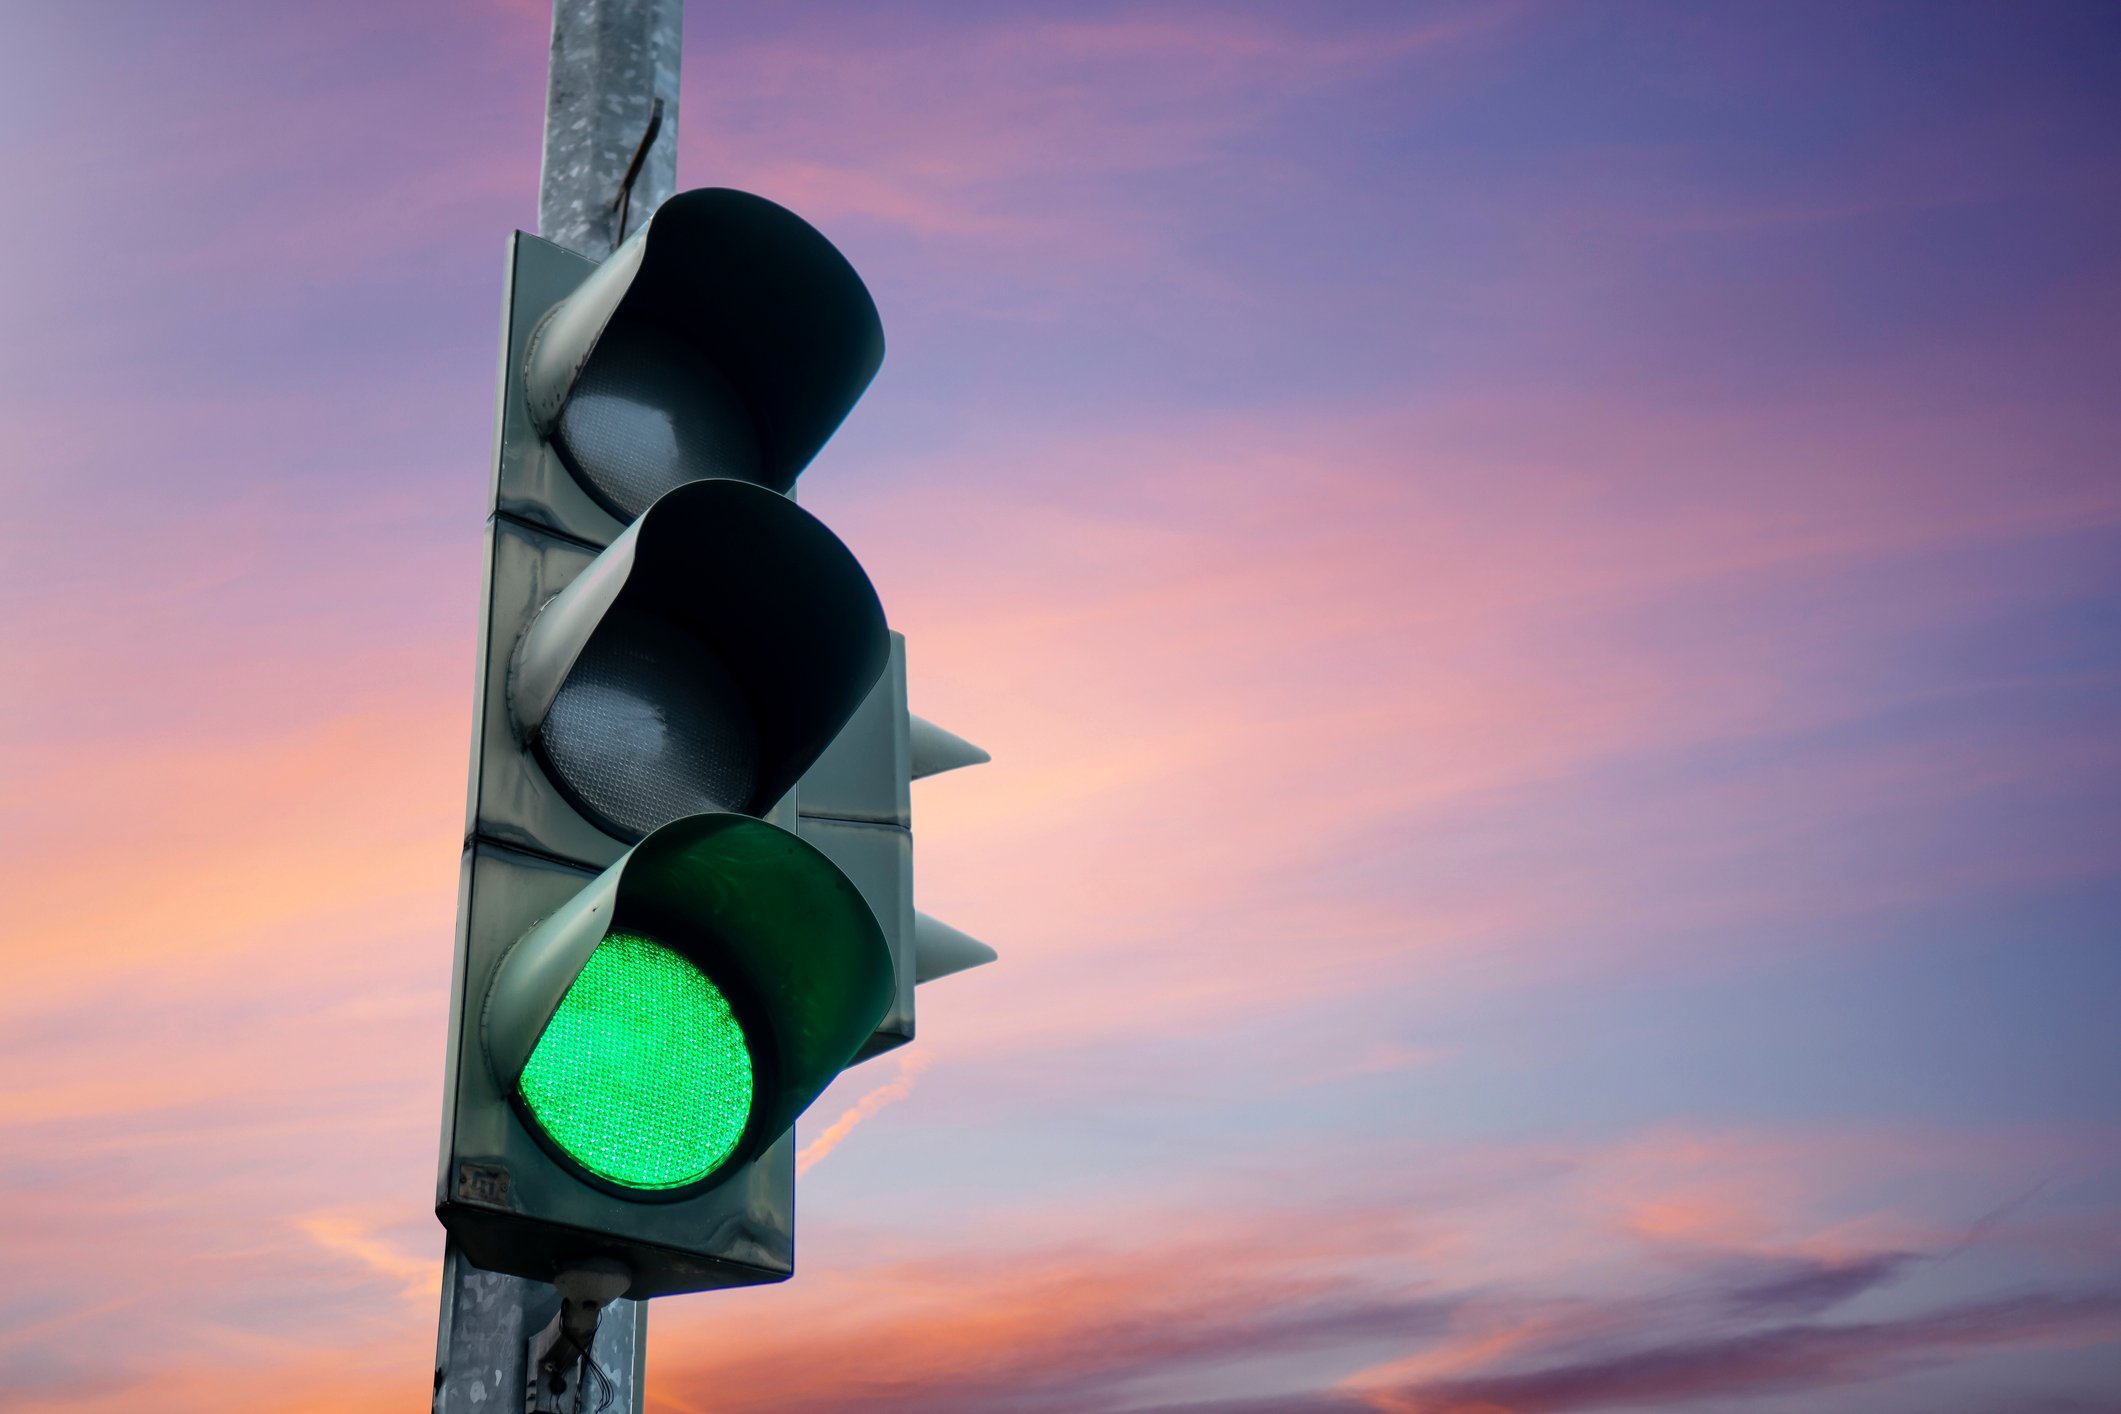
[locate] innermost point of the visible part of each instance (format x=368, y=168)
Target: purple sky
x=1544, y=583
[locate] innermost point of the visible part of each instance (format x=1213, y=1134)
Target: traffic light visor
x=701, y=663
x=725, y=338
x=676, y=1015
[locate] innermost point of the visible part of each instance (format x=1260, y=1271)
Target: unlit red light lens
x=643, y=1076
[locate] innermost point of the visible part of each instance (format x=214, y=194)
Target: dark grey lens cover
x=648, y=727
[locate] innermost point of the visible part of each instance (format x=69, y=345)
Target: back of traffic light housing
x=856, y=806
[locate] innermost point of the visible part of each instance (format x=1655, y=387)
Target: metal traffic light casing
x=727, y=338
x=701, y=661
x=741, y=954
x=856, y=806
x=655, y=974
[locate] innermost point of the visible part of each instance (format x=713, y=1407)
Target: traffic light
x=655, y=971
x=855, y=805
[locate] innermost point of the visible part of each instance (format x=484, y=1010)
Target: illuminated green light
x=643, y=1075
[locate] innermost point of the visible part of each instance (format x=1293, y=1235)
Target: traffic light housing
x=739, y=956
x=856, y=806
x=655, y=973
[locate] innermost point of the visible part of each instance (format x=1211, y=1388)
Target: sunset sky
x=1543, y=582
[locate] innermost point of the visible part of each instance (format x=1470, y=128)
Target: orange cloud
x=171, y=855
x=355, y=1236
x=966, y=1331
x=910, y=1065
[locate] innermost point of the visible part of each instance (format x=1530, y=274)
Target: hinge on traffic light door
x=562, y=1374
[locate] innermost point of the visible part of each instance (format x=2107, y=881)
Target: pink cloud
x=1321, y=698
x=910, y=1065
x=1290, y=632
x=1018, y=126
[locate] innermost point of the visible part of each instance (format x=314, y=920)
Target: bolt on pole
x=610, y=159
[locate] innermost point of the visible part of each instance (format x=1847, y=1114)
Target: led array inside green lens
x=643, y=1076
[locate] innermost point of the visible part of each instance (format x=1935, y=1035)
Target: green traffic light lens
x=643, y=1076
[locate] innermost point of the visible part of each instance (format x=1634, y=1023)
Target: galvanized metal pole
x=482, y=1345
x=611, y=144
x=614, y=81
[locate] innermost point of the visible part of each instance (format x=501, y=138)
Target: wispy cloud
x=1024, y=128
x=356, y=1236
x=1776, y=1359
x=1444, y=517
x=910, y=1065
